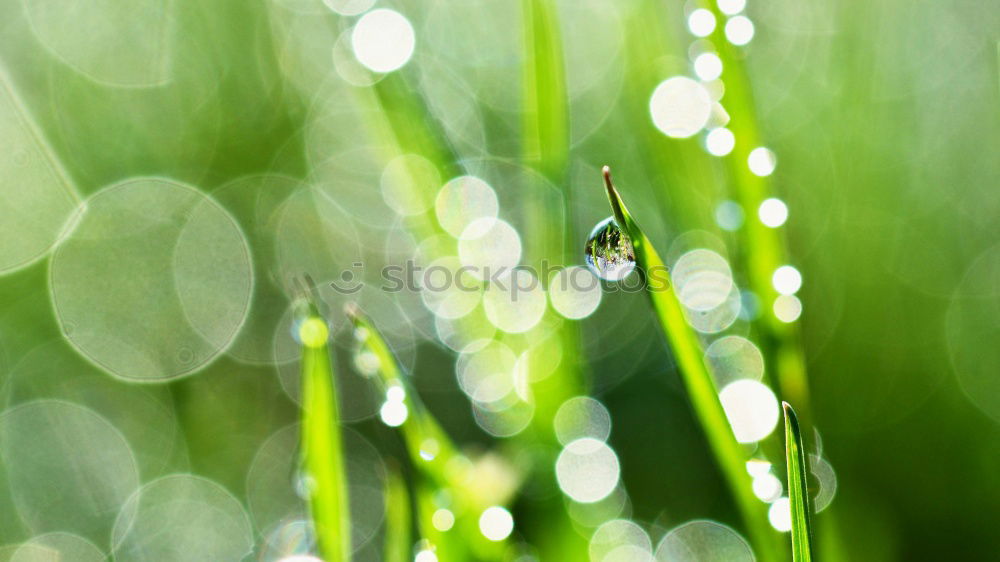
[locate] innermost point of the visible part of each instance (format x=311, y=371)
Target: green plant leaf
x=398, y=519
x=798, y=489
x=546, y=115
x=322, y=448
x=697, y=380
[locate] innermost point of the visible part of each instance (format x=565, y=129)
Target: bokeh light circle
x=155, y=281
x=587, y=470
x=383, y=40
x=703, y=541
x=752, y=409
x=680, y=107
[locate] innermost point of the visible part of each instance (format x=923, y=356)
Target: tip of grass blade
x=615, y=199
x=798, y=490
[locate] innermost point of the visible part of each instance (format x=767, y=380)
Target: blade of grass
x=798, y=489
x=698, y=382
x=420, y=430
x=322, y=450
x=546, y=117
x=763, y=247
x=443, y=467
x=398, y=519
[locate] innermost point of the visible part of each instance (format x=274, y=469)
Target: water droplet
x=609, y=252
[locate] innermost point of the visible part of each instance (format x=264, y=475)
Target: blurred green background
x=220, y=148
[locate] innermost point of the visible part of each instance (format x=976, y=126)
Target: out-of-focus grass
x=324, y=473
x=398, y=519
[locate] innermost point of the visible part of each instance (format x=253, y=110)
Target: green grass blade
x=420, y=428
x=798, y=489
x=546, y=115
x=398, y=519
x=322, y=450
x=442, y=467
x=698, y=382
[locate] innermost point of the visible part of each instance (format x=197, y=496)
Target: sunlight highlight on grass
x=322, y=450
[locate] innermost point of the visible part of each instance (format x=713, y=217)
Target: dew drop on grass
x=609, y=252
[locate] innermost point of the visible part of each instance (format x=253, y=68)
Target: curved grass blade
x=398, y=519
x=697, y=380
x=429, y=446
x=442, y=466
x=798, y=489
x=322, y=450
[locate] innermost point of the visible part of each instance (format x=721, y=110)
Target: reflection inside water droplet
x=609, y=252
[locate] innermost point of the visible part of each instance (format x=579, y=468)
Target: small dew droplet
x=609, y=252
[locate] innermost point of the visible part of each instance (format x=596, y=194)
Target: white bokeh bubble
x=255, y=203
x=702, y=279
x=731, y=7
x=154, y=282
x=701, y=22
x=443, y=519
x=55, y=371
x=516, y=303
x=393, y=413
x=486, y=374
x=504, y=418
x=447, y=290
x=575, y=292
x=786, y=280
x=703, y=541
x=720, y=141
x=463, y=200
x=780, y=515
x=57, y=547
x=739, y=30
x=731, y=358
x=50, y=447
x=489, y=246
x=680, y=107
x=767, y=487
x=496, y=523
x=580, y=417
x=761, y=161
x=787, y=308
x=752, y=409
x=715, y=320
x=620, y=540
x=383, y=40
x=773, y=212
x=708, y=66
x=587, y=470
